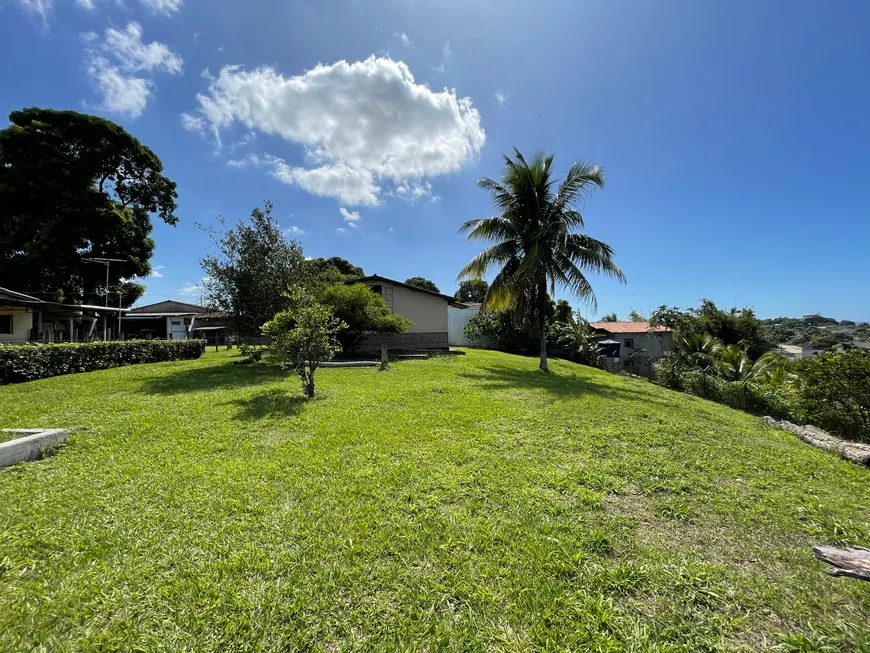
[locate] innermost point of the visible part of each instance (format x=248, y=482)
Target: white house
x=635, y=336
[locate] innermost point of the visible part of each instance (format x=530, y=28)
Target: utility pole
x=107, y=262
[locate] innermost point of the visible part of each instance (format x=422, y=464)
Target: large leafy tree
x=536, y=246
x=340, y=265
x=472, y=290
x=422, y=282
x=253, y=268
x=75, y=186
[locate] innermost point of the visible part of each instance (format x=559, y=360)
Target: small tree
x=636, y=316
x=303, y=336
x=362, y=311
x=422, y=282
x=472, y=290
x=610, y=317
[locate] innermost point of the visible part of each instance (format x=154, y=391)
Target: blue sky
x=733, y=135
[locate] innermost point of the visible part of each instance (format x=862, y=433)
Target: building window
x=378, y=290
x=629, y=343
x=176, y=322
x=6, y=324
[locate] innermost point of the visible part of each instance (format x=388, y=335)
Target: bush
x=20, y=363
x=834, y=392
x=362, y=311
x=755, y=397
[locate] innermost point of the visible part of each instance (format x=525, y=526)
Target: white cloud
x=134, y=56
x=414, y=191
x=359, y=123
x=341, y=230
x=124, y=90
x=85, y=4
x=165, y=7
x=337, y=180
x=122, y=94
x=190, y=289
x=41, y=8
x=194, y=288
x=403, y=38
x=155, y=271
x=192, y=123
x=293, y=230
x=197, y=36
x=501, y=97
x=349, y=216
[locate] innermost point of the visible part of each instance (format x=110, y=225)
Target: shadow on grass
x=276, y=402
x=561, y=385
x=219, y=377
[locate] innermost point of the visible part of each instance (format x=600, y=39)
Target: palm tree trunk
x=542, y=318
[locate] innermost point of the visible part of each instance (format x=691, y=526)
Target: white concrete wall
x=457, y=320
x=22, y=322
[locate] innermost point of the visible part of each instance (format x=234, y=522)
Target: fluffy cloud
x=359, y=124
x=349, y=216
x=134, y=56
x=293, y=230
x=155, y=271
x=403, y=38
x=117, y=63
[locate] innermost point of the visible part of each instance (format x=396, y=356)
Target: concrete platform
x=30, y=445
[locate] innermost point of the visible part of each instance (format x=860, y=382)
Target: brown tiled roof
x=625, y=327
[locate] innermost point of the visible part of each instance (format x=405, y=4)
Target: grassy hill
x=453, y=504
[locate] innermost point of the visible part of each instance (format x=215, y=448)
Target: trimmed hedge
x=20, y=363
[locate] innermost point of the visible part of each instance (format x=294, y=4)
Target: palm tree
x=535, y=247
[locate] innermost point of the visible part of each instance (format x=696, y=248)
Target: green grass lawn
x=467, y=504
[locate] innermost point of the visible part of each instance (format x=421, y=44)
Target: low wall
x=426, y=340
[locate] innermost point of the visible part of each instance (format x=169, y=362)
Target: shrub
x=834, y=392
x=20, y=363
x=362, y=311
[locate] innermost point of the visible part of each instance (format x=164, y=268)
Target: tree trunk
x=542, y=317
x=309, y=385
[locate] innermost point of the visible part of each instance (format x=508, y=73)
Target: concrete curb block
x=30, y=446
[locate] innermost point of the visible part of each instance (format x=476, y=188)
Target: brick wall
x=430, y=340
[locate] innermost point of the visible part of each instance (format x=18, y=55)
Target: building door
x=177, y=330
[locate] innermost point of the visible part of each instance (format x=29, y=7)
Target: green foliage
x=636, y=316
x=342, y=266
x=254, y=266
x=610, y=317
x=834, y=392
x=732, y=327
x=502, y=328
x=564, y=313
x=20, y=363
x=422, y=282
x=303, y=336
x=74, y=186
x=535, y=247
x=577, y=337
x=472, y=290
x=362, y=311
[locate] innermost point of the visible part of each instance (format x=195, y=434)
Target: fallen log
x=855, y=452
x=852, y=561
